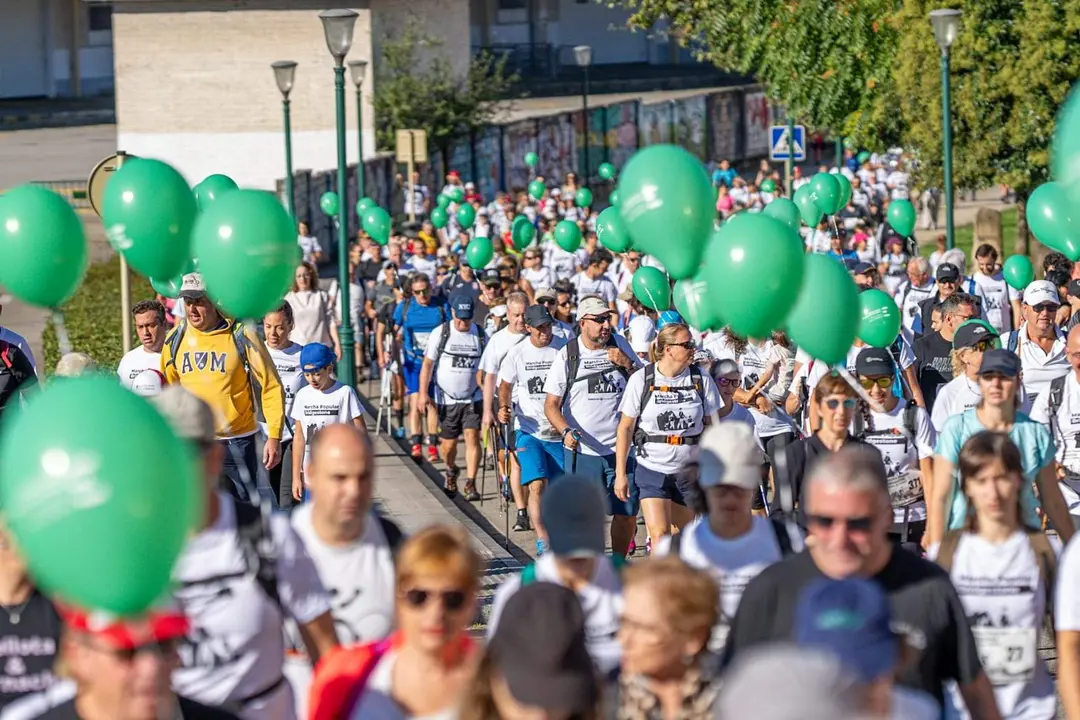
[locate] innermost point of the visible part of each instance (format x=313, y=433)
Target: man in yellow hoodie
x=227, y=365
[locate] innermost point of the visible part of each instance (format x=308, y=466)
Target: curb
x=63, y=118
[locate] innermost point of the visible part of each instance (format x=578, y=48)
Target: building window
x=100, y=19
x=513, y=4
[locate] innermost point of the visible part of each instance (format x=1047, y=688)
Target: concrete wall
x=446, y=20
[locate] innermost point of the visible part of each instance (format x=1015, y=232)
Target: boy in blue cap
x=323, y=401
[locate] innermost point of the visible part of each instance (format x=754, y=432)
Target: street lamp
x=284, y=72
x=338, y=27
x=583, y=58
x=357, y=68
x=946, y=24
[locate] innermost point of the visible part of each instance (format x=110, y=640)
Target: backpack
x=1057, y=394
x=5, y=354
x=573, y=361
x=528, y=575
x=1012, y=341
x=444, y=337
x=405, y=315
x=640, y=436
x=176, y=337
x=783, y=539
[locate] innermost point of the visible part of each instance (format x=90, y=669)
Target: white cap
x=641, y=333
x=192, y=286
x=1039, y=292
x=148, y=383
x=592, y=307
x=498, y=311
x=190, y=417
x=729, y=455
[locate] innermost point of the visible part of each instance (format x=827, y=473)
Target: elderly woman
x=667, y=672
x=423, y=668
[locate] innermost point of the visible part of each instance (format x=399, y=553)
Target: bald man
x=352, y=547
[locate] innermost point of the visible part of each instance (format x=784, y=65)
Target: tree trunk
x=1023, y=235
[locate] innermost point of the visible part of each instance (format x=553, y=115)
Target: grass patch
x=965, y=235
x=93, y=318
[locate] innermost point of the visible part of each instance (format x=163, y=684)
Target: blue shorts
x=664, y=486
x=539, y=459
x=602, y=467
x=411, y=374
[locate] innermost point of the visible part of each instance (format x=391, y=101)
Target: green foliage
x=410, y=93
x=92, y=316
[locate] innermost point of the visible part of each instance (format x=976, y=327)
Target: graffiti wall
x=519, y=139
x=558, y=147
x=725, y=110
x=690, y=121
x=757, y=119
x=654, y=124
x=621, y=137
x=488, y=154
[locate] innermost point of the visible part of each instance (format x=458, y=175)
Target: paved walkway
x=964, y=213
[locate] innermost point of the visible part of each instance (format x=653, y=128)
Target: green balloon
x=43, y=253
x=537, y=189
x=148, y=211
x=466, y=216
x=611, y=230
x=377, y=224
x=768, y=185
x=825, y=316
x=845, y=190
x=531, y=159
x=613, y=198
x=669, y=208
x=169, y=288
x=568, y=235
x=444, y=201
x=478, y=252
x=439, y=217
x=456, y=193
x=785, y=211
x=1065, y=146
x=863, y=157
x=879, y=318
x=1049, y=215
x=583, y=197
x=901, y=217
x=100, y=516
x=652, y=288
x=692, y=300
x=825, y=192
x=606, y=171
x=246, y=247
x=808, y=209
x=363, y=205
x=522, y=233
x=754, y=267
x=1018, y=272
x=213, y=187
x=329, y=204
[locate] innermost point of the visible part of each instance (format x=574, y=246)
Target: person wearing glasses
x=933, y=349
x=1039, y=341
x=564, y=301
x=846, y=500
x=534, y=273
x=549, y=300
x=593, y=280
x=947, y=282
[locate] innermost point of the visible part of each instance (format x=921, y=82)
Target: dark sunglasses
x=1045, y=308
x=882, y=382
x=983, y=345
x=565, y=304
x=855, y=524
x=833, y=403
x=546, y=301
x=452, y=600
x=162, y=648
x=948, y=282
x=725, y=382
x=422, y=291
x=689, y=345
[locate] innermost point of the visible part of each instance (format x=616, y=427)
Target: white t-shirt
x=753, y=363
x=526, y=368
x=901, y=454
x=1066, y=432
x=538, y=277
x=898, y=185
x=961, y=394
x=309, y=245
x=235, y=647
x=563, y=264
x=1039, y=368
x=909, y=298
x=426, y=265
x=678, y=411
x=455, y=376
x=496, y=349
x=601, y=603
x=136, y=361
x=602, y=287
x=315, y=409
x=592, y=407
x=287, y=363
x=731, y=563
x=997, y=300
x=1005, y=602
x=1067, y=592
x=360, y=580
x=311, y=316
x=740, y=414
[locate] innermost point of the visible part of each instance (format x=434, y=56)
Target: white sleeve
x=433, y=343
x=1040, y=410
x=907, y=354
x=924, y=434
x=488, y=363
x=624, y=345
x=1014, y=294
x=302, y=593
x=1067, y=593
x=556, y=379
x=508, y=369
x=713, y=401
x=631, y=399
x=939, y=415
x=355, y=409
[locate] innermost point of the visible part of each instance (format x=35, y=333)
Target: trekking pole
x=574, y=452
x=504, y=486
x=483, y=468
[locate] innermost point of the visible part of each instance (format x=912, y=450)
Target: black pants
x=281, y=477
x=916, y=529
x=773, y=445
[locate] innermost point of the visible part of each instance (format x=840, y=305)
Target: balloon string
x=874, y=405
x=836, y=230
x=63, y=341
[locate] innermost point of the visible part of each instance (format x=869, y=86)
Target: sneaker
x=433, y=453
x=451, y=481
x=522, y=524
x=399, y=433
x=540, y=547
x=470, y=491
x=632, y=548
x=416, y=452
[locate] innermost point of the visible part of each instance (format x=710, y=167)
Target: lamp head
x=357, y=68
x=338, y=27
x=583, y=55
x=284, y=73
x=946, y=24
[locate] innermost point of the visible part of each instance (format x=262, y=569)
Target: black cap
x=537, y=315
x=947, y=271
x=1000, y=361
x=539, y=649
x=490, y=277
x=861, y=268
x=874, y=362
x=971, y=334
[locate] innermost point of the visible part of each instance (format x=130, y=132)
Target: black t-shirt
x=799, y=458
x=27, y=648
x=933, y=365
x=926, y=609
x=189, y=710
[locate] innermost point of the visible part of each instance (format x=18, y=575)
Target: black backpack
x=444, y=337
x=650, y=387
x=573, y=361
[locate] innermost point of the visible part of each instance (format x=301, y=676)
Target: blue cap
x=462, y=306
x=316, y=356
x=849, y=619
x=667, y=317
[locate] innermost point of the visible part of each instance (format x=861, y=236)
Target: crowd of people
x=888, y=537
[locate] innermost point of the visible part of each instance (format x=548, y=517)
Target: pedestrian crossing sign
x=779, y=143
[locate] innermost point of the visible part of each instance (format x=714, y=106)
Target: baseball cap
x=947, y=271
x=1039, y=292
x=849, y=619
x=973, y=332
x=593, y=307
x=192, y=286
x=667, y=318
x=542, y=654
x=389, y=264
x=729, y=455
x=462, y=306
x=316, y=356
x=573, y=511
x=188, y=415
x=490, y=277
x=167, y=622
x=642, y=332
x=1000, y=361
x=537, y=315
x=872, y=361
x=545, y=294
x=498, y=311
x=861, y=268
x=148, y=383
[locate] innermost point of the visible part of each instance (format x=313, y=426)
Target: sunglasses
x=452, y=600
x=630, y=259
x=725, y=382
x=983, y=345
x=547, y=301
x=869, y=382
x=948, y=282
x=565, y=304
x=422, y=291
x=162, y=648
x=598, y=320
x=855, y=524
x=833, y=403
x=689, y=345
x=1045, y=308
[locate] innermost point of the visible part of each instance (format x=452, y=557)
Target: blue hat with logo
x=462, y=306
x=667, y=318
x=316, y=356
x=850, y=620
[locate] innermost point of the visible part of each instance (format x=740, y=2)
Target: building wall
x=95, y=48
x=446, y=20
x=24, y=70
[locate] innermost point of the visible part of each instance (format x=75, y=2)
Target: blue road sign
x=779, y=143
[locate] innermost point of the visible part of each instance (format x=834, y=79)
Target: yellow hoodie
x=209, y=365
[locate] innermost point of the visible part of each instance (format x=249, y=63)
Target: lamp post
x=946, y=24
x=583, y=58
x=357, y=69
x=284, y=73
x=338, y=28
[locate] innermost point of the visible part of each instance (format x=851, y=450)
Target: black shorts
x=455, y=418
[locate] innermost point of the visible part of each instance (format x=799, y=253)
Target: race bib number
x=905, y=489
x=1008, y=655
x=420, y=341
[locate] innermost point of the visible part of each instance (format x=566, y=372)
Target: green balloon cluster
x=611, y=231
x=568, y=235
x=363, y=205
x=1049, y=214
x=879, y=318
x=901, y=217
x=444, y=201
x=825, y=317
x=652, y=288
x=376, y=223
x=439, y=218
x=43, y=253
x=101, y=516
x=1018, y=272
x=212, y=187
x=478, y=252
x=456, y=193
x=329, y=203
x=810, y=212
x=466, y=216
x=785, y=211
x=694, y=302
x=606, y=171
